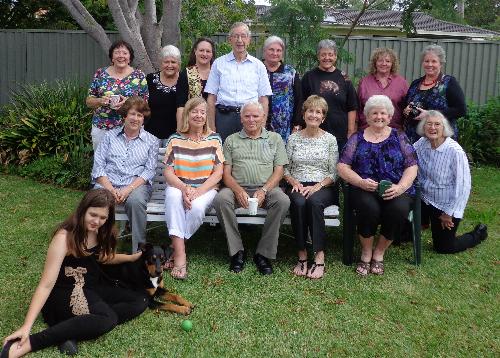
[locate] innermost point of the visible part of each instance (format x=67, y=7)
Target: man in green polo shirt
x=253, y=167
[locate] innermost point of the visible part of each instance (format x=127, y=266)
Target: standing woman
x=336, y=88
x=284, y=104
x=383, y=79
x=193, y=169
x=74, y=300
x=312, y=155
x=434, y=90
x=193, y=78
x=162, y=87
x=118, y=79
x=444, y=177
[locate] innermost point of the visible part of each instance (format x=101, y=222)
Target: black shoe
x=69, y=347
x=263, y=264
x=481, y=231
x=237, y=262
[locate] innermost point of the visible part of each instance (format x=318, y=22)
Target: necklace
x=427, y=84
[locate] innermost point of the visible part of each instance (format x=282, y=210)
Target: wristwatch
x=264, y=190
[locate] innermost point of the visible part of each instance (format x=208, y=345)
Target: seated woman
x=74, y=300
x=312, y=155
x=372, y=155
x=193, y=159
x=445, y=182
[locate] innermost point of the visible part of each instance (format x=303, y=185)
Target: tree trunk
x=141, y=30
x=171, y=17
x=460, y=8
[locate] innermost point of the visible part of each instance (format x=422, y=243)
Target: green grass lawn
x=447, y=307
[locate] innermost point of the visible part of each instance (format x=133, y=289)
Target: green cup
x=383, y=185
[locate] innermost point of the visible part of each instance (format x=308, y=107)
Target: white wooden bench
x=156, y=206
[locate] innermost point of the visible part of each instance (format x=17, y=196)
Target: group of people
x=237, y=129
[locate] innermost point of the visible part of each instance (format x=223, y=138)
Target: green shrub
x=479, y=132
x=45, y=134
x=71, y=171
x=44, y=119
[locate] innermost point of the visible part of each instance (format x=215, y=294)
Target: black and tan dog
x=147, y=274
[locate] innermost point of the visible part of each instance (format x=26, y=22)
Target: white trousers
x=181, y=222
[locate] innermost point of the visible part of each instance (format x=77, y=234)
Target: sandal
x=363, y=268
x=179, y=272
x=377, y=267
x=313, y=268
x=301, y=268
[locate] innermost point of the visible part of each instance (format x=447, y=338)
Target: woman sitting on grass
x=444, y=177
x=74, y=301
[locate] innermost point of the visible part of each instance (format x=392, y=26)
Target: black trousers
x=108, y=306
x=446, y=241
x=372, y=210
x=307, y=215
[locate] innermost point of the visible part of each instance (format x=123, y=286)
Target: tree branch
x=87, y=22
x=366, y=5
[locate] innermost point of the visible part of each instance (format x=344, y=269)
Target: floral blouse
x=103, y=84
x=378, y=161
x=312, y=159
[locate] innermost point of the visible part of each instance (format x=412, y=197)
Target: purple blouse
x=396, y=90
x=377, y=161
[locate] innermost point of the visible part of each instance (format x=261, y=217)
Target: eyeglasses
x=239, y=36
x=432, y=124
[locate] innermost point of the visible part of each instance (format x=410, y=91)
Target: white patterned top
x=312, y=159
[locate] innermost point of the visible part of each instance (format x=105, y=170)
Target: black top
x=337, y=89
x=183, y=89
x=163, y=104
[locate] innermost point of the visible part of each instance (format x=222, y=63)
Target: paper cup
x=252, y=206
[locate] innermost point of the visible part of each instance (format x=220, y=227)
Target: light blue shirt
x=122, y=160
x=236, y=83
x=444, y=176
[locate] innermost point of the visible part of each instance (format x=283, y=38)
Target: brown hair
x=121, y=43
x=188, y=107
x=315, y=101
x=75, y=225
x=383, y=51
x=136, y=102
x=192, y=56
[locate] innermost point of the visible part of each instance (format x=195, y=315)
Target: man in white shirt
x=235, y=79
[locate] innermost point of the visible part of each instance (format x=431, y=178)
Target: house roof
x=424, y=23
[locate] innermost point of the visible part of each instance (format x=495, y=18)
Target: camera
x=414, y=110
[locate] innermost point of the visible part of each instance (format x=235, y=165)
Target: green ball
x=187, y=325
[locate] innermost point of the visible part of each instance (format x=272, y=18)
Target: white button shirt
x=236, y=83
x=444, y=176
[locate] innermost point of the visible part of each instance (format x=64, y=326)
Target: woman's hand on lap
x=368, y=184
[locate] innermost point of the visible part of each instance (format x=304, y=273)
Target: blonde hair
x=383, y=51
x=315, y=101
x=188, y=107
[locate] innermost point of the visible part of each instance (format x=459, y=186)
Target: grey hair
x=328, y=44
x=252, y=103
x=170, y=51
x=274, y=40
x=435, y=50
x=379, y=100
x=240, y=24
x=447, y=129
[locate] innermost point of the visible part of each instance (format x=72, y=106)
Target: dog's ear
x=142, y=246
